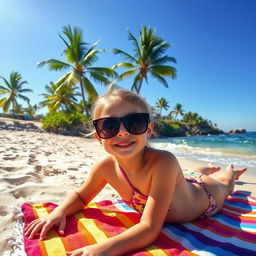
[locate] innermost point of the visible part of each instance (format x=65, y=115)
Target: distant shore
x=161, y=130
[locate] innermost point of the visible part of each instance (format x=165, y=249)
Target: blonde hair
x=124, y=95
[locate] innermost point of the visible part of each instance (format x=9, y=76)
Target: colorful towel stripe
x=230, y=232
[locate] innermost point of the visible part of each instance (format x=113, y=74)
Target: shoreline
x=35, y=167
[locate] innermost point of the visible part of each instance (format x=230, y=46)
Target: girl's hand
x=42, y=225
x=92, y=250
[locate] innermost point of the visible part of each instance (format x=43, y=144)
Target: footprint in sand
x=47, y=153
x=50, y=171
x=3, y=211
x=10, y=157
x=31, y=159
x=19, y=193
x=73, y=169
x=38, y=168
x=21, y=180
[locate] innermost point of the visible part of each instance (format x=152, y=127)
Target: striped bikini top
x=138, y=200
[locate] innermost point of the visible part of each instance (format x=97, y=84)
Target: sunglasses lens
x=136, y=123
x=107, y=127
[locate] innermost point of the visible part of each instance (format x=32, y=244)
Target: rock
x=164, y=130
x=235, y=131
x=17, y=125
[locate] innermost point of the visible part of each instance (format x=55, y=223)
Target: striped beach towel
x=230, y=232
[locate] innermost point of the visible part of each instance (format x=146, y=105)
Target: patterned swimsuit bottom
x=196, y=177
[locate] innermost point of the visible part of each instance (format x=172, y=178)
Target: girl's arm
x=147, y=230
x=72, y=204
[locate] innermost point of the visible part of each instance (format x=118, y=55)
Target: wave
x=239, y=150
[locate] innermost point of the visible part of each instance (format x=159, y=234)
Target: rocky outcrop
x=9, y=124
x=84, y=130
x=35, y=126
x=163, y=129
x=205, y=130
x=241, y=130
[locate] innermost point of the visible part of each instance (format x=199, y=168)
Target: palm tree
x=63, y=97
x=192, y=118
x=14, y=90
x=80, y=60
x=31, y=110
x=161, y=104
x=86, y=107
x=148, y=58
x=177, y=110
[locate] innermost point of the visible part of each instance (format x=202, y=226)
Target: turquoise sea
x=239, y=149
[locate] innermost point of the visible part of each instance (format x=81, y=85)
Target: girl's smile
x=124, y=144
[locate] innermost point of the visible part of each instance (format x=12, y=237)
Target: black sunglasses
x=108, y=127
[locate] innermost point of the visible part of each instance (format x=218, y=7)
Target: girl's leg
x=223, y=185
x=207, y=169
x=227, y=178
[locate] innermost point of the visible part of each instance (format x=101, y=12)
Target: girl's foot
x=208, y=169
x=236, y=172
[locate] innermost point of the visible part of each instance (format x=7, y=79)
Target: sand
x=42, y=167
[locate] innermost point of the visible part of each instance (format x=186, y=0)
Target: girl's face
x=124, y=145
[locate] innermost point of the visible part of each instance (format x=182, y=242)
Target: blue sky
x=214, y=43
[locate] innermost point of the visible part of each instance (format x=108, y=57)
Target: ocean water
x=238, y=149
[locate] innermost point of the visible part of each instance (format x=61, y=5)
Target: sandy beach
x=42, y=167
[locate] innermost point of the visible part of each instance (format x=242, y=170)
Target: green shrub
x=168, y=128
x=77, y=118
x=55, y=121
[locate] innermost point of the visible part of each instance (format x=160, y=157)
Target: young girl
x=149, y=180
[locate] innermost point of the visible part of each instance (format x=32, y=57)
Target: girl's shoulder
x=107, y=162
x=160, y=154
x=161, y=159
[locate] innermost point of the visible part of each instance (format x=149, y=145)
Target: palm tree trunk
x=82, y=90
x=13, y=109
x=139, y=87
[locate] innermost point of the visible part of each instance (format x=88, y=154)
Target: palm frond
x=97, y=77
x=109, y=72
x=136, y=82
x=15, y=77
x=54, y=64
x=2, y=101
x=24, y=98
x=54, y=106
x=73, y=78
x=160, y=79
x=124, y=54
x=20, y=85
x=89, y=88
x=76, y=48
x=135, y=43
x=4, y=92
x=3, y=89
x=91, y=57
x=6, y=82
x=126, y=74
x=123, y=65
x=163, y=60
x=25, y=90
x=159, y=50
x=7, y=103
x=162, y=70
x=61, y=80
